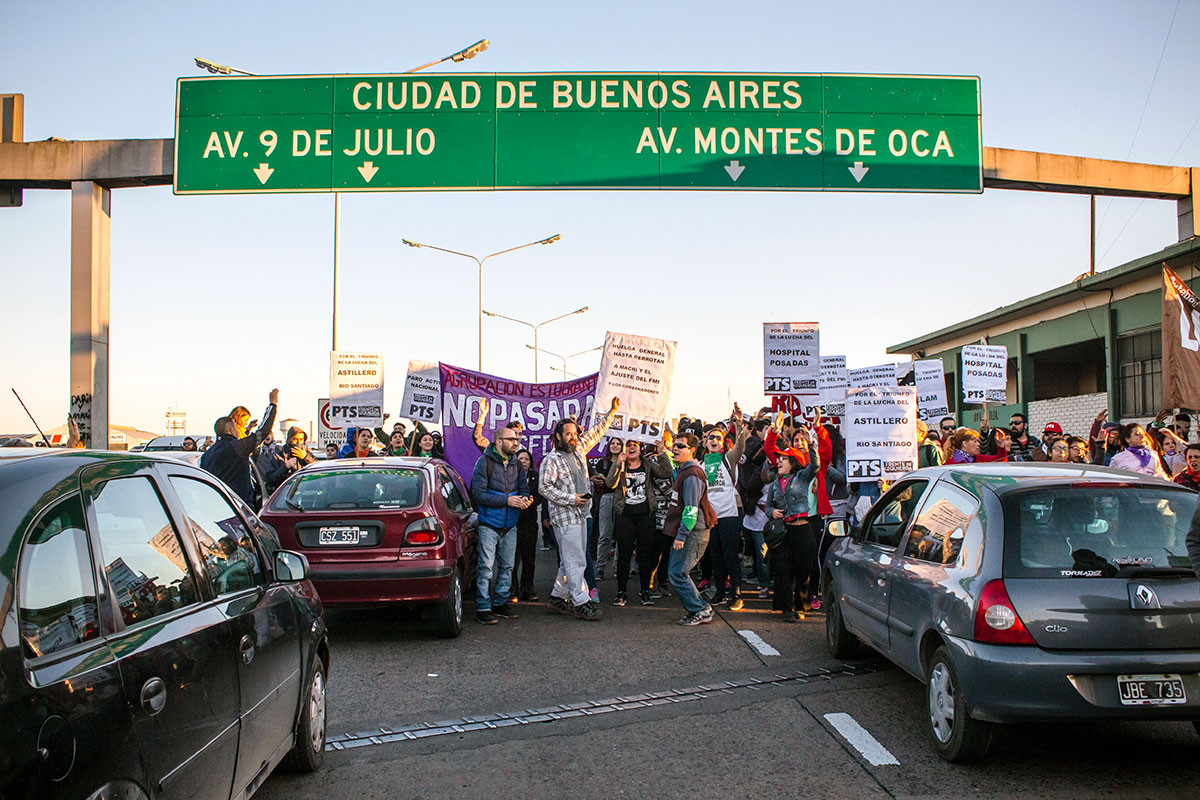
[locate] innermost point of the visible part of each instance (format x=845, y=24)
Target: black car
x=154, y=639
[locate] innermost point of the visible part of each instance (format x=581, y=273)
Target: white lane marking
x=756, y=641
x=861, y=740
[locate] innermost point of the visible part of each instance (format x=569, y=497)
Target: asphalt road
x=634, y=705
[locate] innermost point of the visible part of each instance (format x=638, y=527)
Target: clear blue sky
x=215, y=300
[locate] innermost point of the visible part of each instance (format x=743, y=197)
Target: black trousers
x=725, y=545
x=791, y=566
x=662, y=550
x=527, y=536
x=636, y=530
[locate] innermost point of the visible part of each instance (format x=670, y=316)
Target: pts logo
x=646, y=427
x=420, y=412
x=864, y=468
x=354, y=412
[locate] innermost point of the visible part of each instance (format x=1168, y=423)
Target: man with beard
x=566, y=487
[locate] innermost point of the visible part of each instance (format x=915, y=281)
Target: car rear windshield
x=352, y=488
x=1096, y=532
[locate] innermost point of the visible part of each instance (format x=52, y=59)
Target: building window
x=1139, y=370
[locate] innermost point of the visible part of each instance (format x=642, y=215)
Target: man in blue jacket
x=500, y=490
x=229, y=456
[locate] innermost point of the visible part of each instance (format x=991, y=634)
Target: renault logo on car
x=1145, y=597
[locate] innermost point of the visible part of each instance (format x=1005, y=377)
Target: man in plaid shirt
x=563, y=481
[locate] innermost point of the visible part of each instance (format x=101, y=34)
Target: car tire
x=955, y=734
x=448, y=615
x=308, y=753
x=842, y=643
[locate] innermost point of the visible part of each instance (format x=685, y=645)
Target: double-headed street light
x=479, y=261
x=457, y=57
x=535, y=330
x=563, y=370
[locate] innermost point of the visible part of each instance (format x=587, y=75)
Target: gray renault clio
x=1023, y=592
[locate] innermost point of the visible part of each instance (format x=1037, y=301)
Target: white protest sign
x=985, y=373
x=637, y=369
x=880, y=431
x=879, y=375
x=931, y=390
x=356, y=388
x=422, y=392
x=791, y=358
x=328, y=431
x=905, y=374
x=833, y=384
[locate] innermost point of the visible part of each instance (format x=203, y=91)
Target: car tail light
x=996, y=620
x=424, y=532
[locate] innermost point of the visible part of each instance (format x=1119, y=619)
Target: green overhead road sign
x=347, y=133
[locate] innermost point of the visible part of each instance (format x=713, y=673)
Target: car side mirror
x=837, y=527
x=290, y=567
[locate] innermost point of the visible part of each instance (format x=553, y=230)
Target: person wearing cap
x=1104, y=439
x=1051, y=434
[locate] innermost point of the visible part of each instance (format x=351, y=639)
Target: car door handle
x=246, y=648
x=154, y=696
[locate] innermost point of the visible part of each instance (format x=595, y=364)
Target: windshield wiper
x=292, y=503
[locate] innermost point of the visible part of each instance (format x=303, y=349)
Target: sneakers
x=735, y=604
x=814, y=602
x=647, y=599
x=507, y=611
x=599, y=572
x=697, y=618
x=703, y=585
x=764, y=593
x=619, y=600
x=557, y=605
x=486, y=617
x=719, y=599
x=793, y=616
x=594, y=595
x=588, y=611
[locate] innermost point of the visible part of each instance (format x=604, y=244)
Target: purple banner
x=537, y=406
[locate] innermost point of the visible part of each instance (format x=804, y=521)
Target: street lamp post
x=457, y=57
x=479, y=261
x=564, y=358
x=535, y=330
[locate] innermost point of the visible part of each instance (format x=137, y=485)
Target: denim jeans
x=682, y=561
x=495, y=550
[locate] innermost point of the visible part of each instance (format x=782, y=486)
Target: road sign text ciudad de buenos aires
x=322, y=133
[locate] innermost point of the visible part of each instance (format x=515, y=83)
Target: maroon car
x=381, y=531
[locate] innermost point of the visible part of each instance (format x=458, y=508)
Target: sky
x=218, y=299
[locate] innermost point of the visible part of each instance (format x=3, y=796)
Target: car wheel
x=842, y=643
x=955, y=734
x=448, y=616
x=309, y=750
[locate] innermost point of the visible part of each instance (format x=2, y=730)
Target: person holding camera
x=277, y=462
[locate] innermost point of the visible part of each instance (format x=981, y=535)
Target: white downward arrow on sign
x=734, y=169
x=263, y=172
x=858, y=171
x=368, y=170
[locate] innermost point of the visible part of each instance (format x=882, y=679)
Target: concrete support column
x=1189, y=222
x=91, y=221
x=1025, y=376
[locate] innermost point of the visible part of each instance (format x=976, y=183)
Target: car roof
x=28, y=483
x=1007, y=476
x=394, y=462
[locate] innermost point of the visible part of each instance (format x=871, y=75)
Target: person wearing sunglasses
x=690, y=518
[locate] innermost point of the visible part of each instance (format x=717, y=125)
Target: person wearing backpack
x=792, y=549
x=690, y=518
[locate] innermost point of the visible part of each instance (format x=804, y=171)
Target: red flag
x=1180, y=343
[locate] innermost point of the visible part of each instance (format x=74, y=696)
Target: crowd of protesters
x=713, y=513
